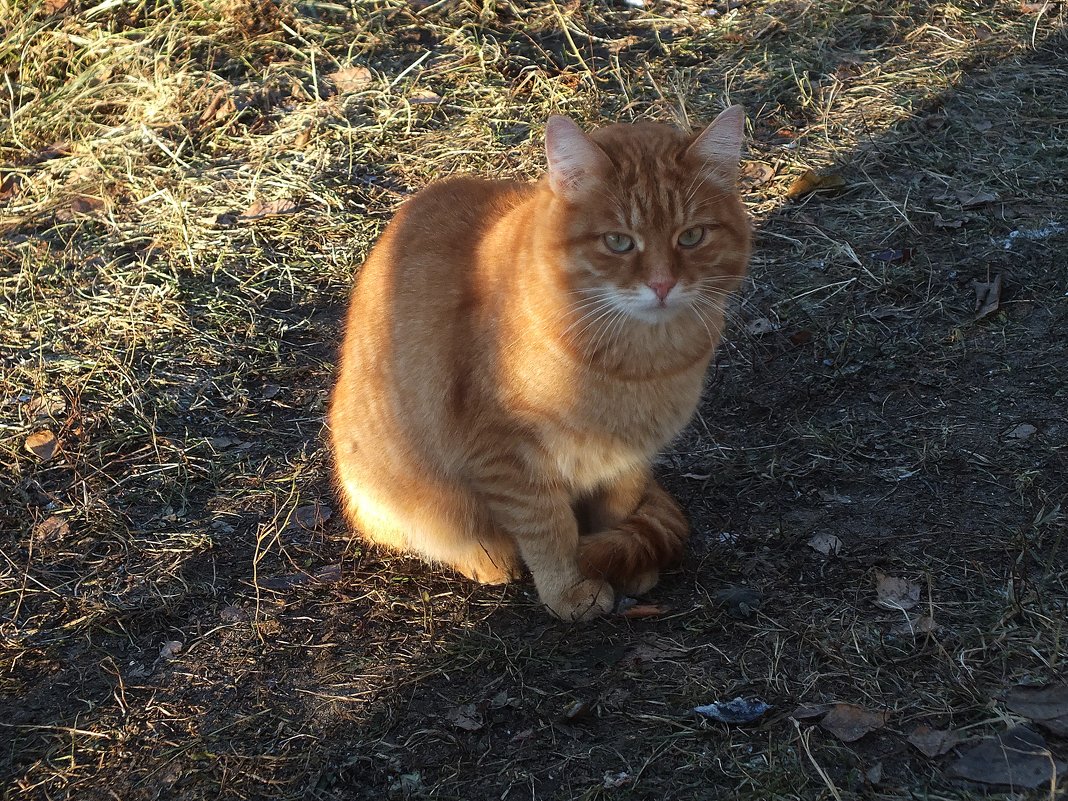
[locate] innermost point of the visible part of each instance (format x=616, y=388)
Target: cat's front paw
x=583, y=600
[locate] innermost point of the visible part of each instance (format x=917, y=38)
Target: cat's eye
x=692, y=236
x=617, y=242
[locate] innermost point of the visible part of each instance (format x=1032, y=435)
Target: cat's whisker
x=697, y=313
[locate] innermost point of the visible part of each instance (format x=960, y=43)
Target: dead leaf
x=467, y=717
x=269, y=208
x=987, y=296
x=220, y=107
x=54, y=6
x=812, y=181
x=232, y=614
x=1017, y=757
x=578, y=710
x=51, y=528
x=741, y=602
x=9, y=186
x=310, y=517
x=761, y=326
x=1033, y=8
x=982, y=125
x=1046, y=706
x=756, y=173
x=424, y=97
x=171, y=649
x=943, y=222
x=79, y=204
x=224, y=441
x=826, y=544
x=1021, y=432
x=645, y=610
x=42, y=444
x=895, y=593
x=501, y=700
x=874, y=774
x=351, y=79
x=739, y=710
x=849, y=722
x=934, y=742
x=300, y=141
x=613, y=781
x=810, y=711
x=895, y=256
x=970, y=200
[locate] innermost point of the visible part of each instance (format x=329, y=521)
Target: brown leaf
x=467, y=717
x=826, y=544
x=54, y=6
x=973, y=199
x=645, y=610
x=424, y=97
x=849, y=722
x=311, y=517
x=987, y=296
x=934, y=742
x=9, y=186
x=42, y=444
x=1048, y=706
x=810, y=711
x=895, y=593
x=51, y=528
x=351, y=79
x=79, y=204
x=269, y=208
x=300, y=141
x=220, y=107
x=578, y=710
x=812, y=181
x=756, y=173
x=1018, y=757
x=943, y=222
x=171, y=649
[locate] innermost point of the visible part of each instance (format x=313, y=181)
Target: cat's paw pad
x=584, y=600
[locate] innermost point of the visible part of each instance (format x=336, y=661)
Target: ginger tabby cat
x=516, y=354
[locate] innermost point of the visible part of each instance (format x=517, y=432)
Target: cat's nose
x=661, y=288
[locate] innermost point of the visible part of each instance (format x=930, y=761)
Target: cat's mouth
x=648, y=306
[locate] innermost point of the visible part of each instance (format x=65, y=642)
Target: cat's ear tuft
x=719, y=147
x=574, y=160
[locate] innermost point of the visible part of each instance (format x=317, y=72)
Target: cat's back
x=443, y=225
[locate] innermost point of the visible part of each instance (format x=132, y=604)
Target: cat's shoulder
x=468, y=193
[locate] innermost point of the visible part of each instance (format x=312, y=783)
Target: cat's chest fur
x=595, y=427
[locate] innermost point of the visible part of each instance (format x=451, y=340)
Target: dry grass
x=176, y=354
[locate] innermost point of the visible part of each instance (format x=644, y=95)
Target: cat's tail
x=631, y=555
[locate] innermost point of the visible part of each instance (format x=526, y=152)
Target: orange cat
x=516, y=354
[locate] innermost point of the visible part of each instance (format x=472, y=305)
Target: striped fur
x=504, y=373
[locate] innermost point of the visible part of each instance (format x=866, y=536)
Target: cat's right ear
x=575, y=162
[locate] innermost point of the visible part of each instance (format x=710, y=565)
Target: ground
x=876, y=479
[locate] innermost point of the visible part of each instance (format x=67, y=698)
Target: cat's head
x=647, y=219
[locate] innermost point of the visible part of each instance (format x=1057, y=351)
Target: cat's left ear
x=575, y=162
x=719, y=147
